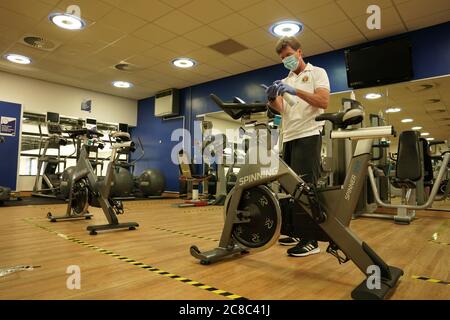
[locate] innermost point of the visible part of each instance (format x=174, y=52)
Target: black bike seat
x=335, y=118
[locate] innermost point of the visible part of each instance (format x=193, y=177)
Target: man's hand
x=271, y=91
x=283, y=88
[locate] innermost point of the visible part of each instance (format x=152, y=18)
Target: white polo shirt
x=298, y=120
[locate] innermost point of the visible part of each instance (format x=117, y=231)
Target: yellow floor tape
x=141, y=265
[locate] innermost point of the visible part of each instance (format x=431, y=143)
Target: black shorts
x=303, y=156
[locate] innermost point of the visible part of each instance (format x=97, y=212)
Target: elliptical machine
x=254, y=218
x=85, y=189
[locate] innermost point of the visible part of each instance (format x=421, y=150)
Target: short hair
x=287, y=41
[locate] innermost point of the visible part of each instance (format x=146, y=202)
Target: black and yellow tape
x=141, y=265
x=431, y=280
x=185, y=234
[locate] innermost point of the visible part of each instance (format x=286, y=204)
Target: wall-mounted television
x=379, y=64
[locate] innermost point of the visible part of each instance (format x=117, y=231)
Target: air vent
x=39, y=43
x=228, y=47
x=418, y=87
x=127, y=67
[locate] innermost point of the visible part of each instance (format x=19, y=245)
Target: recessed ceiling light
x=67, y=21
x=122, y=84
x=286, y=28
x=416, y=128
x=17, y=58
x=372, y=96
x=393, y=110
x=424, y=134
x=184, y=63
x=430, y=139
x=407, y=120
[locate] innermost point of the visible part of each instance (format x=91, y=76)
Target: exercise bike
x=85, y=189
x=254, y=215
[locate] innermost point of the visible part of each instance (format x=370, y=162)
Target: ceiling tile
x=266, y=12
x=93, y=10
x=206, y=11
x=16, y=21
x=390, y=23
x=205, y=36
x=268, y=50
x=249, y=57
x=357, y=8
x=255, y=38
x=181, y=45
x=154, y=34
x=50, y=2
x=340, y=30
x=32, y=9
x=124, y=48
x=239, y=4
x=427, y=21
x=176, y=3
x=205, y=55
x=323, y=16
x=415, y=9
x=229, y=65
x=233, y=25
x=145, y=9
x=316, y=49
x=99, y=31
x=299, y=6
x=161, y=54
x=309, y=38
x=178, y=22
x=123, y=21
x=142, y=61
x=338, y=43
x=204, y=69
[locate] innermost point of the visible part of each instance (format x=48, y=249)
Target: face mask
x=291, y=62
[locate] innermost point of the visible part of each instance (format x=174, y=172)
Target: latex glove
x=271, y=91
x=285, y=88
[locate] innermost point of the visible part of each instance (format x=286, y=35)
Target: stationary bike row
x=254, y=214
x=85, y=189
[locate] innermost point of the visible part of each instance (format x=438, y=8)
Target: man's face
x=287, y=51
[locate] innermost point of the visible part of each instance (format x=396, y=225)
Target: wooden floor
x=163, y=240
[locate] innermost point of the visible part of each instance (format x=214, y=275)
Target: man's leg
x=305, y=161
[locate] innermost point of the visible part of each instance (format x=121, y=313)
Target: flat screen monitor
x=380, y=64
x=91, y=124
x=52, y=117
x=123, y=127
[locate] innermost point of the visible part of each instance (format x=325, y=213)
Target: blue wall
x=430, y=54
x=9, y=150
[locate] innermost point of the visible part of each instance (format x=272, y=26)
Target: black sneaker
x=288, y=241
x=304, y=248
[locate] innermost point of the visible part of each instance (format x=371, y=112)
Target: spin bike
x=253, y=213
x=85, y=189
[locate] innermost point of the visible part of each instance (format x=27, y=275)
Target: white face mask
x=291, y=62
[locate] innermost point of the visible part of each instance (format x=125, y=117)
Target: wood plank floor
x=265, y=275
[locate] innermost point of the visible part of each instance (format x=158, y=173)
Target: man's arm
x=319, y=99
x=277, y=104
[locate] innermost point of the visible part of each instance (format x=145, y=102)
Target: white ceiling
x=149, y=33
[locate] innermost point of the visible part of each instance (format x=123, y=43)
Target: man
x=309, y=90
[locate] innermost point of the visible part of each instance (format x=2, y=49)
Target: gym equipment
x=253, y=217
x=5, y=193
x=409, y=174
x=85, y=189
x=151, y=183
x=47, y=183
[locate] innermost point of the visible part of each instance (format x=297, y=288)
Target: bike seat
x=343, y=119
x=121, y=136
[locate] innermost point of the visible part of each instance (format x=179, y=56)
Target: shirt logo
x=305, y=79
